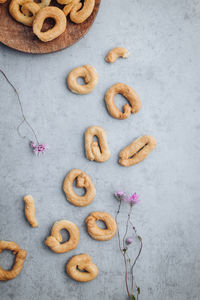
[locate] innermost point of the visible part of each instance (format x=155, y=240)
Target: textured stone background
x=164, y=68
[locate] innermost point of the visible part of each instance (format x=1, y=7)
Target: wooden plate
x=17, y=36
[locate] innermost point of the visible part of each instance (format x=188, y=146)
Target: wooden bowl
x=17, y=36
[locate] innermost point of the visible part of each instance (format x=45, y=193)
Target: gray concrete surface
x=164, y=68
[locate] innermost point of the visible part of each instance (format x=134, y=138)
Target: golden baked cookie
x=80, y=13
x=19, y=260
x=82, y=181
x=115, y=53
x=60, y=23
x=69, y=4
x=98, y=151
x=88, y=73
x=16, y=13
x=137, y=151
x=129, y=93
x=29, y=7
x=54, y=240
x=30, y=210
x=78, y=264
x=98, y=233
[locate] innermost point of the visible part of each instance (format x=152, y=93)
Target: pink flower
x=38, y=148
x=120, y=195
x=132, y=199
x=129, y=240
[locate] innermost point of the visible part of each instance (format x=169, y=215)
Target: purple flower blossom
x=120, y=195
x=38, y=148
x=132, y=199
x=129, y=240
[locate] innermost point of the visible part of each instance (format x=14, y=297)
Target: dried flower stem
x=127, y=223
x=21, y=108
x=124, y=251
x=118, y=233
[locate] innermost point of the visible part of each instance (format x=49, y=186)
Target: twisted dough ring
x=129, y=93
x=19, y=260
x=59, y=27
x=82, y=181
x=94, y=151
x=79, y=263
x=28, y=7
x=69, y=4
x=44, y=3
x=54, y=240
x=15, y=11
x=90, y=76
x=137, y=151
x=113, y=54
x=78, y=15
x=30, y=210
x=98, y=233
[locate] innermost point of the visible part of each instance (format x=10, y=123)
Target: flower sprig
x=133, y=290
x=36, y=147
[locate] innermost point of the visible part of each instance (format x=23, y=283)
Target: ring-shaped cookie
x=78, y=15
x=19, y=260
x=30, y=8
x=115, y=53
x=98, y=233
x=44, y=3
x=60, y=23
x=90, y=76
x=68, y=6
x=137, y=151
x=15, y=11
x=82, y=181
x=129, y=93
x=78, y=264
x=96, y=151
x=54, y=240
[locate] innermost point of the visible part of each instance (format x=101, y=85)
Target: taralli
x=129, y=93
x=15, y=11
x=30, y=8
x=19, y=260
x=81, y=268
x=82, y=181
x=137, y=151
x=69, y=5
x=98, y=233
x=60, y=23
x=66, y=2
x=54, y=240
x=44, y=3
x=115, y=53
x=90, y=76
x=78, y=15
x=30, y=210
x=94, y=151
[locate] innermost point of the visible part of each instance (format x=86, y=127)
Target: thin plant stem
x=137, y=257
x=126, y=276
x=121, y=250
x=128, y=219
x=21, y=109
x=118, y=233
